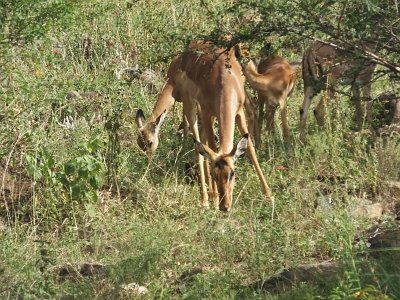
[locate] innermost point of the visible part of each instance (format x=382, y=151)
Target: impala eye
x=232, y=174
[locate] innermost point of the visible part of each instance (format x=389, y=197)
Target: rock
x=72, y=95
x=389, y=130
x=15, y=188
x=146, y=76
x=152, y=78
x=318, y=273
x=90, y=95
x=128, y=73
x=369, y=211
x=394, y=189
x=385, y=239
x=187, y=275
x=68, y=272
x=90, y=269
x=135, y=289
x=2, y=226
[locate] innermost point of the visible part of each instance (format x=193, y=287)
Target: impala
x=209, y=82
x=322, y=67
x=273, y=79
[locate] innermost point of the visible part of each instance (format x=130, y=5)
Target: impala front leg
x=203, y=186
x=208, y=139
x=270, y=116
x=285, y=125
x=190, y=111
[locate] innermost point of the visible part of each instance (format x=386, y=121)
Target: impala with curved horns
x=211, y=78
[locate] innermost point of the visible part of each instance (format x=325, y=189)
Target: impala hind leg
x=366, y=90
x=251, y=116
x=261, y=116
x=308, y=95
x=363, y=108
x=241, y=121
x=284, y=119
x=319, y=111
x=270, y=117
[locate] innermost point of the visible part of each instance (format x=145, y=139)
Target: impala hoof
x=224, y=208
x=205, y=205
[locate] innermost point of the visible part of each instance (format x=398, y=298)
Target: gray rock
x=369, y=211
x=318, y=273
x=394, y=189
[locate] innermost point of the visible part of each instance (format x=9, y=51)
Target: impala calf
x=322, y=67
x=273, y=79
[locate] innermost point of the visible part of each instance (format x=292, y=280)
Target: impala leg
x=190, y=112
x=360, y=109
x=270, y=117
x=251, y=116
x=209, y=140
x=319, y=111
x=396, y=112
x=261, y=104
x=366, y=90
x=285, y=126
x=185, y=127
x=308, y=94
x=241, y=121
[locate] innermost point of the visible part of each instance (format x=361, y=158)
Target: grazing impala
x=209, y=78
x=273, y=79
x=322, y=67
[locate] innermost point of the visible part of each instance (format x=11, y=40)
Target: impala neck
x=227, y=127
x=164, y=103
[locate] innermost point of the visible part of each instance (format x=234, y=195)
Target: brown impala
x=273, y=79
x=322, y=67
x=210, y=78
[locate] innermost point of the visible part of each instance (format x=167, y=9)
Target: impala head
x=148, y=132
x=223, y=169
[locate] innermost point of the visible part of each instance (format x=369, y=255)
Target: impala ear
x=139, y=118
x=204, y=150
x=160, y=120
x=241, y=147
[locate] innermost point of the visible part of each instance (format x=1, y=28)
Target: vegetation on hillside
x=84, y=214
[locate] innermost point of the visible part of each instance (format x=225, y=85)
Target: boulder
x=369, y=211
x=318, y=273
